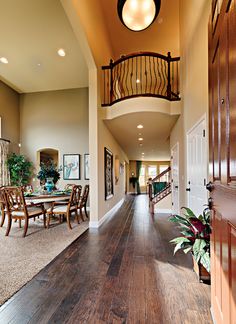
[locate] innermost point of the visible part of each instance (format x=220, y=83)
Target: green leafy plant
x=195, y=236
x=20, y=169
x=48, y=170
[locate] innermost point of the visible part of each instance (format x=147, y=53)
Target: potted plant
x=195, y=238
x=20, y=169
x=49, y=173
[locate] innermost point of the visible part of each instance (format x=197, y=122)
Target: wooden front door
x=222, y=90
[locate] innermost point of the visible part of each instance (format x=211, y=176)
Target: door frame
x=204, y=119
x=176, y=145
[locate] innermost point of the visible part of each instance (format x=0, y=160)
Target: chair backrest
x=75, y=193
x=2, y=199
x=84, y=197
x=15, y=200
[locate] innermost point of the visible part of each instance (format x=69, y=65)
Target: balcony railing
x=142, y=74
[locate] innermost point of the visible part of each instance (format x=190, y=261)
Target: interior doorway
x=197, y=166
x=175, y=178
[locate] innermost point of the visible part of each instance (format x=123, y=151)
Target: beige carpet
x=22, y=258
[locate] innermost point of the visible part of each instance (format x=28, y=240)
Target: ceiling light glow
x=4, y=60
x=138, y=15
x=140, y=139
x=61, y=52
x=140, y=126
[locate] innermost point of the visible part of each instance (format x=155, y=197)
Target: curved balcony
x=143, y=74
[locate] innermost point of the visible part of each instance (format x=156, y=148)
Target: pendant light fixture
x=138, y=15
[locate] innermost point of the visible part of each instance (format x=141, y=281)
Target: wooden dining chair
x=16, y=208
x=67, y=208
x=2, y=206
x=82, y=202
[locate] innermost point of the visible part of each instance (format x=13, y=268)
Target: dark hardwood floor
x=125, y=272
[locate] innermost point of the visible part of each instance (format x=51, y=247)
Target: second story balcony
x=143, y=74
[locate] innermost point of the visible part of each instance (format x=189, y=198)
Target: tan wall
x=92, y=19
x=108, y=141
x=10, y=115
x=194, y=17
x=58, y=120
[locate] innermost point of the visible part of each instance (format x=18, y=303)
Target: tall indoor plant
x=20, y=169
x=195, y=235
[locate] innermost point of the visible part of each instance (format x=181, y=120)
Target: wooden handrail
x=141, y=74
x=161, y=174
x=5, y=140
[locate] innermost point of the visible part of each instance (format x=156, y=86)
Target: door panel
x=197, y=168
x=222, y=128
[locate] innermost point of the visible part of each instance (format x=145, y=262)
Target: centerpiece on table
x=195, y=238
x=49, y=174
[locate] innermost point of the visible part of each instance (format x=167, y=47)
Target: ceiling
x=155, y=134
x=31, y=32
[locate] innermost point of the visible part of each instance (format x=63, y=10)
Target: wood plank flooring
x=125, y=272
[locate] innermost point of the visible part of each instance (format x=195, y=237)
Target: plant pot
x=200, y=270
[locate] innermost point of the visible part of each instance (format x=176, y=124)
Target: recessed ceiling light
x=39, y=64
x=140, y=139
x=140, y=126
x=3, y=60
x=143, y=153
x=61, y=52
x=137, y=81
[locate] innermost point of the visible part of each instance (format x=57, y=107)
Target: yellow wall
x=108, y=141
x=10, y=115
x=58, y=120
x=194, y=17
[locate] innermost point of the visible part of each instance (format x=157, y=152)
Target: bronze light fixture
x=138, y=15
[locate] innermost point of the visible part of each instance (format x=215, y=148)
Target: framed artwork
x=86, y=166
x=108, y=170
x=71, y=166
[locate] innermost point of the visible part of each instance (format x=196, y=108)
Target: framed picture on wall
x=108, y=172
x=86, y=166
x=71, y=166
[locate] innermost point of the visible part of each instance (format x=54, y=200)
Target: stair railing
x=144, y=74
x=163, y=177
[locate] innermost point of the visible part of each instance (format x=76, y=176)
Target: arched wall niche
x=46, y=155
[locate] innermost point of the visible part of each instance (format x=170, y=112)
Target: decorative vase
x=49, y=184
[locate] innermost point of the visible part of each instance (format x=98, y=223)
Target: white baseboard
x=163, y=211
x=97, y=224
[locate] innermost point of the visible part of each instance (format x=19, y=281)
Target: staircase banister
x=161, y=174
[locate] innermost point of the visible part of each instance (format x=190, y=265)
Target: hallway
x=125, y=272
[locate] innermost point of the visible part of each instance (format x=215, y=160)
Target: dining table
x=46, y=198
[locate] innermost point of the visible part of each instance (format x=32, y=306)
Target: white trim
x=163, y=211
x=97, y=224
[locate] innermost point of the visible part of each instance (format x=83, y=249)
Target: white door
x=197, y=167
x=175, y=178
